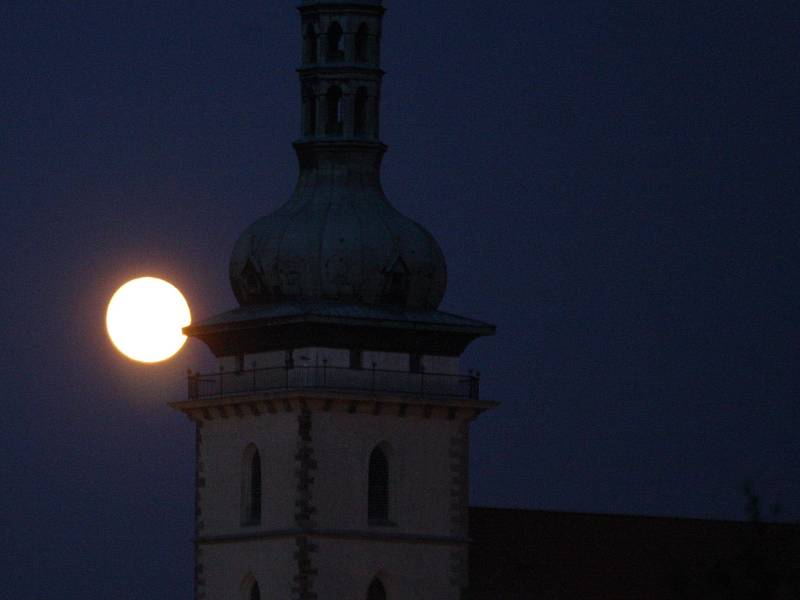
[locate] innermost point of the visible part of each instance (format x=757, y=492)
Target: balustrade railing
x=333, y=378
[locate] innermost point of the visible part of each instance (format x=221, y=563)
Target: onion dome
x=338, y=239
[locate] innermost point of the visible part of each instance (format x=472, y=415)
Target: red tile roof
x=522, y=554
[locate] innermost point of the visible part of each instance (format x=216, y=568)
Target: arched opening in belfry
x=378, y=487
x=310, y=44
x=250, y=589
x=360, y=112
x=335, y=122
x=251, y=486
x=309, y=111
x=335, y=42
x=376, y=591
x=255, y=592
x=362, y=44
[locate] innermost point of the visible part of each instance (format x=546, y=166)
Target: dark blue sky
x=615, y=185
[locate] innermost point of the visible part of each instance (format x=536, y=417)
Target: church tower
x=332, y=443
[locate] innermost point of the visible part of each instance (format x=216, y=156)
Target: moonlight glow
x=145, y=317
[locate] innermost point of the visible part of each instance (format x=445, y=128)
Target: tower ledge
x=264, y=328
x=254, y=404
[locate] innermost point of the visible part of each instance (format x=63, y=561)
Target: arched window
x=255, y=592
x=310, y=49
x=362, y=44
x=310, y=110
x=376, y=590
x=251, y=486
x=334, y=123
x=378, y=488
x=360, y=112
x=335, y=42
x=249, y=588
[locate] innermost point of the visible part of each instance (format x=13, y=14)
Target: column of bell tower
x=332, y=441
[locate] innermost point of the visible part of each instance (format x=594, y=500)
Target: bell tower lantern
x=332, y=441
x=340, y=72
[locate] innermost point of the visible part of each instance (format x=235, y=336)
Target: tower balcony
x=335, y=379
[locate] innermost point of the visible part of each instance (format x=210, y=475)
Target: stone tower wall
x=314, y=539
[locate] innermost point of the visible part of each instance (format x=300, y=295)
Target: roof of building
x=282, y=325
x=558, y=555
x=342, y=311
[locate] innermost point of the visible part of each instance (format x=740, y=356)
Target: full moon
x=145, y=317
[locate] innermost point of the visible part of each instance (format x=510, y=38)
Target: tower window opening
x=255, y=592
x=310, y=40
x=362, y=44
x=335, y=42
x=356, y=359
x=251, y=486
x=415, y=363
x=360, y=112
x=376, y=591
x=335, y=124
x=378, y=488
x=310, y=110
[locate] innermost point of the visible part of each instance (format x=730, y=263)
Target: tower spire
x=338, y=239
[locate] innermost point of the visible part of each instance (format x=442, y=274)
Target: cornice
x=342, y=534
x=257, y=404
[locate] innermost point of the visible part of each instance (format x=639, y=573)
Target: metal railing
x=333, y=378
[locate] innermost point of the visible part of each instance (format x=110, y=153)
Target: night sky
x=615, y=185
